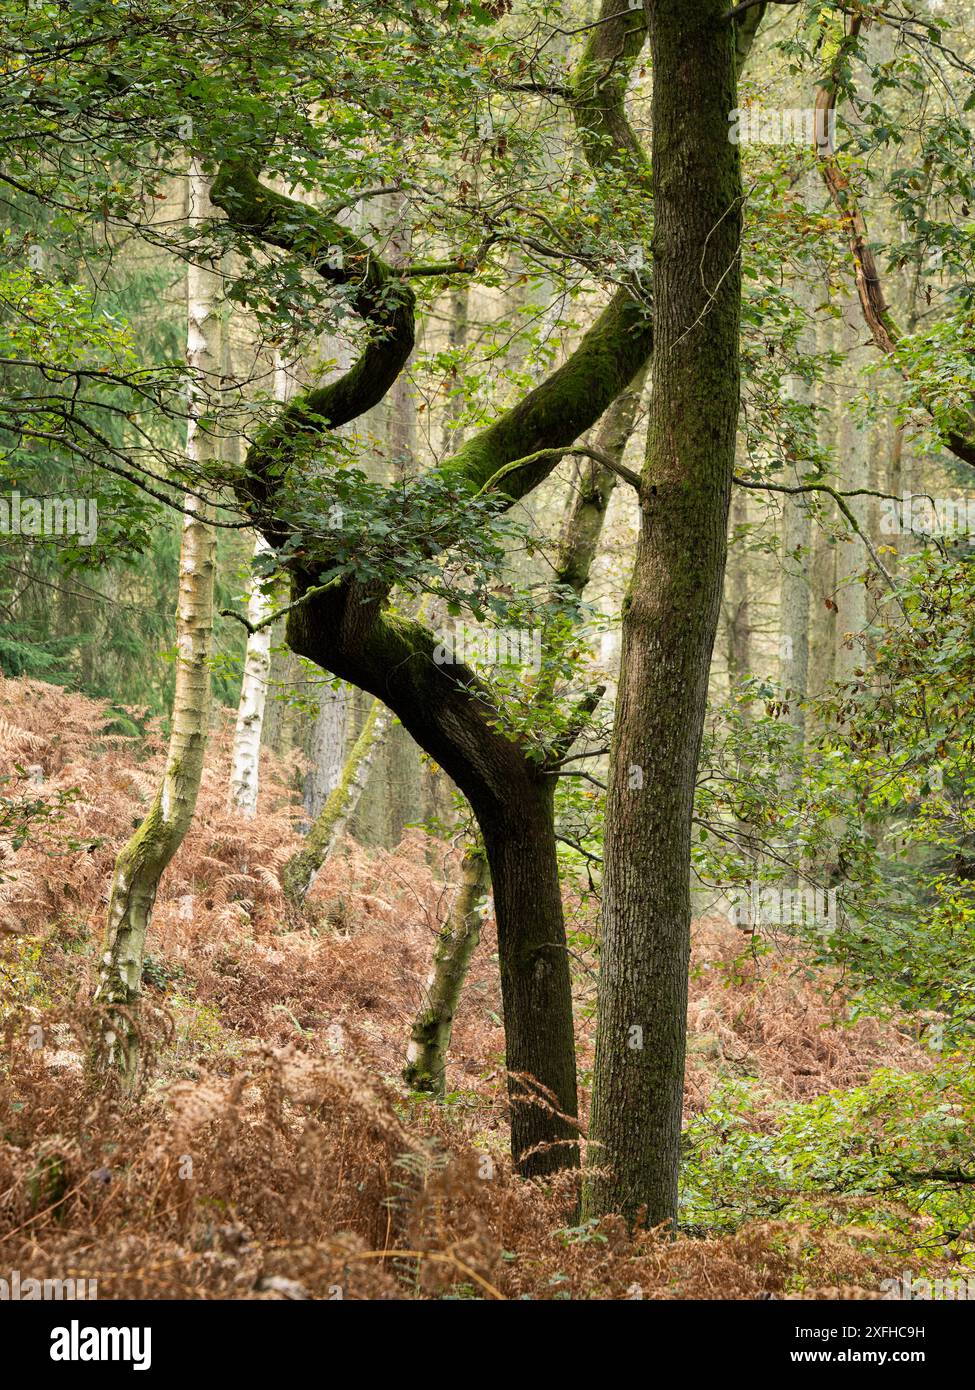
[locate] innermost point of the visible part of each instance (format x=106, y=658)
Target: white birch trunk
x=245, y=758
x=144, y=858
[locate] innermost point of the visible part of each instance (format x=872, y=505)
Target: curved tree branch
x=378, y=295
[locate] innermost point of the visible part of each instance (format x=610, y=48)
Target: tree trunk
x=737, y=596
x=245, y=759
x=328, y=735
x=326, y=748
x=142, y=861
x=536, y=986
x=822, y=627
x=426, y=1055
x=246, y=754
x=794, y=599
x=853, y=465
x=457, y=335
x=302, y=868
x=670, y=617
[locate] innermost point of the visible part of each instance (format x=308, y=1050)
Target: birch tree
x=245, y=758
x=246, y=753
x=144, y=858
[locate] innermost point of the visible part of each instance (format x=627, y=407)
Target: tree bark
x=142, y=861
x=737, y=596
x=853, y=467
x=326, y=747
x=426, y=1054
x=794, y=598
x=300, y=871
x=670, y=617
x=246, y=753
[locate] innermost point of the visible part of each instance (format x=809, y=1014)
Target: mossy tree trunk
x=302, y=868
x=426, y=1054
x=142, y=861
x=670, y=616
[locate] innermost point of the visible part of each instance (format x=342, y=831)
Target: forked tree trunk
x=246, y=755
x=141, y=863
x=670, y=617
x=426, y=1055
x=349, y=628
x=302, y=868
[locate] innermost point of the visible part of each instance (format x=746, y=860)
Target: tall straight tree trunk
x=853, y=464
x=401, y=766
x=301, y=869
x=822, y=626
x=670, y=617
x=142, y=861
x=797, y=556
x=327, y=737
x=794, y=598
x=737, y=596
x=457, y=335
x=245, y=760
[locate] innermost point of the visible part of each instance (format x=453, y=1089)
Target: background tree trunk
x=794, y=600
x=326, y=747
x=426, y=1054
x=737, y=606
x=246, y=753
x=301, y=869
x=853, y=463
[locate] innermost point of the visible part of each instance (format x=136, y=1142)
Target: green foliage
x=22, y=813
x=894, y=1155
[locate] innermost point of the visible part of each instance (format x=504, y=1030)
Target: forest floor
x=275, y=1152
